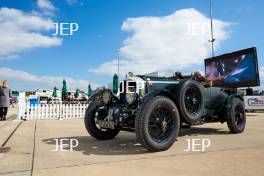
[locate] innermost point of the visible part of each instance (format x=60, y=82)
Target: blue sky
x=101, y=35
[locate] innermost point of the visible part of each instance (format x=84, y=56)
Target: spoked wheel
x=239, y=116
x=157, y=123
x=192, y=100
x=92, y=127
x=236, y=120
x=160, y=124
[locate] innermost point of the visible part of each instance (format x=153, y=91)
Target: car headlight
x=130, y=98
x=106, y=96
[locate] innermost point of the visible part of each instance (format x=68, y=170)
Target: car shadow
x=124, y=144
x=195, y=131
x=120, y=145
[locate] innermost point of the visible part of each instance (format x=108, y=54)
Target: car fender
x=162, y=92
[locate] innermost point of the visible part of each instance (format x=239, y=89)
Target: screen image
x=238, y=69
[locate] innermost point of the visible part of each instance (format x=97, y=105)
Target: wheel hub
x=164, y=125
x=192, y=100
x=160, y=124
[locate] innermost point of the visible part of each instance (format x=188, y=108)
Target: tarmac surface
x=28, y=149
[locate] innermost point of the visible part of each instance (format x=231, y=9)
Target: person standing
x=5, y=94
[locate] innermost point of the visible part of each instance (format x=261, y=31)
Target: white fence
x=52, y=111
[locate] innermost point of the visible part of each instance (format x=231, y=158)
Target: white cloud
x=44, y=81
x=261, y=70
x=261, y=74
x=45, y=5
x=71, y=2
x=21, y=31
x=162, y=43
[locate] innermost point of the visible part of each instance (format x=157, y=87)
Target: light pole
x=212, y=32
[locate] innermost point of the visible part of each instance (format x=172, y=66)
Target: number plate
x=105, y=124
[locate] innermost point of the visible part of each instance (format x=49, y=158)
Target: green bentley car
x=156, y=107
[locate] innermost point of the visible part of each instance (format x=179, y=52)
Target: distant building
x=252, y=91
x=43, y=94
x=154, y=74
x=15, y=93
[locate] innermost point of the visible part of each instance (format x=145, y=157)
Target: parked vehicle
x=155, y=107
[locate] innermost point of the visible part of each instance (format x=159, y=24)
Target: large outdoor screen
x=237, y=69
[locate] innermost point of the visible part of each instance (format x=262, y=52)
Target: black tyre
x=236, y=118
x=190, y=100
x=91, y=126
x=157, y=123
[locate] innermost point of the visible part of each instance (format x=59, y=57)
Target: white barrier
x=254, y=102
x=21, y=106
x=53, y=111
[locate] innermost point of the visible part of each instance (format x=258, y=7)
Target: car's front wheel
x=236, y=119
x=91, y=116
x=157, y=123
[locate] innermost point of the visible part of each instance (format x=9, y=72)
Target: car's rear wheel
x=91, y=116
x=190, y=100
x=157, y=123
x=236, y=119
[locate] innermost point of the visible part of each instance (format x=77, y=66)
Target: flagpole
x=212, y=32
x=118, y=62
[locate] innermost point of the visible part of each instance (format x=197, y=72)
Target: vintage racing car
x=155, y=108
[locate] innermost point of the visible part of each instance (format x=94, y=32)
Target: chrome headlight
x=130, y=98
x=106, y=96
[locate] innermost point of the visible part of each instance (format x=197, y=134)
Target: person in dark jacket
x=5, y=94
